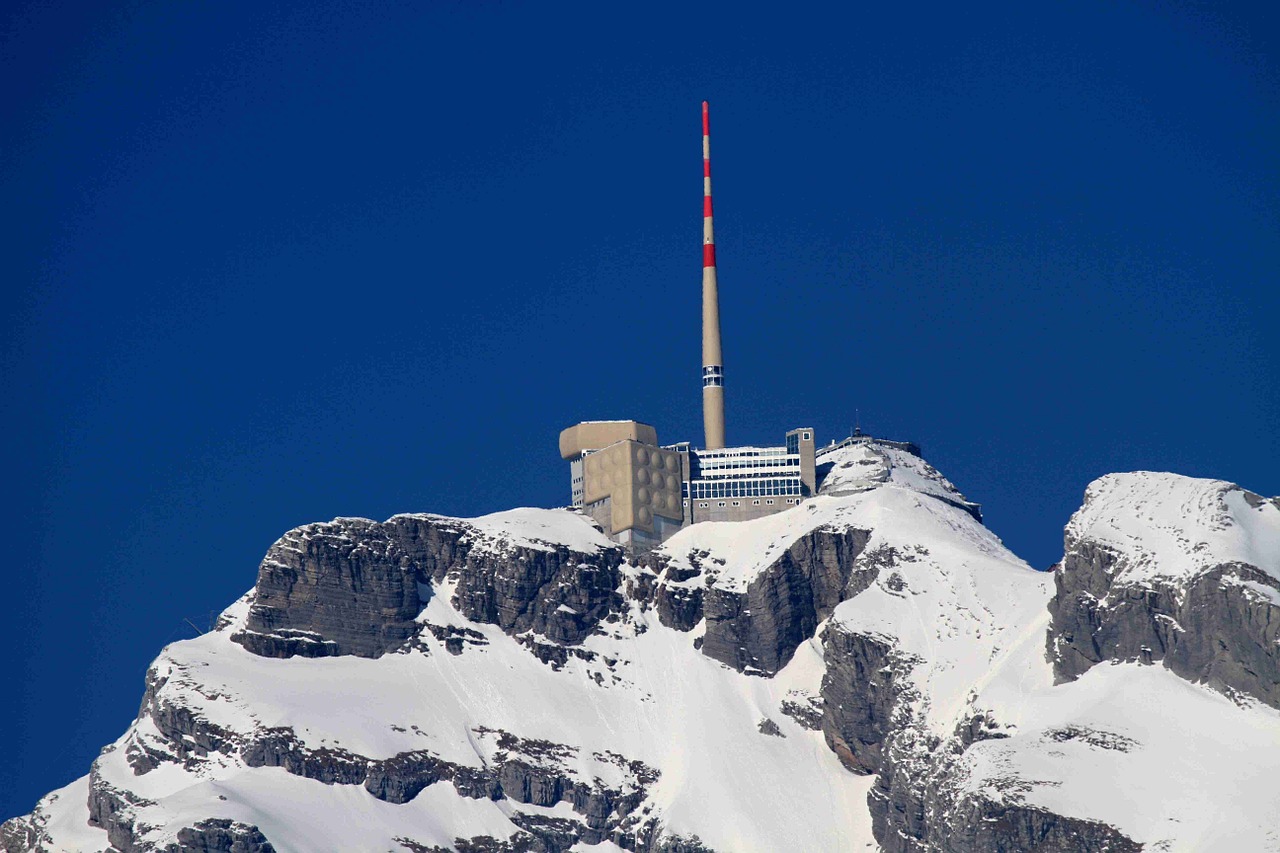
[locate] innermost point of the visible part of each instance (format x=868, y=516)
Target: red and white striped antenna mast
x=712, y=358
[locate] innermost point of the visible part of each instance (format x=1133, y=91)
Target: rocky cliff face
x=867, y=670
x=859, y=695
x=1157, y=568
x=348, y=587
x=1198, y=592
x=877, y=723
x=760, y=629
x=354, y=586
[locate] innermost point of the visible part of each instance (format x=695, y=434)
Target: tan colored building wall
x=593, y=435
x=803, y=437
x=738, y=509
x=641, y=482
x=633, y=488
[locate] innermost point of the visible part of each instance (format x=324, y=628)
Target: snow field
x=1170, y=526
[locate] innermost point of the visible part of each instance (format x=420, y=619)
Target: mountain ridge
x=870, y=669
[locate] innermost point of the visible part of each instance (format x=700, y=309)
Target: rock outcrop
x=859, y=694
x=1198, y=593
x=555, y=592
x=870, y=463
x=355, y=586
x=527, y=771
x=346, y=587
x=757, y=631
x=221, y=836
x=873, y=722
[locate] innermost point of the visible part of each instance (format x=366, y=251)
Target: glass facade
x=746, y=487
x=743, y=472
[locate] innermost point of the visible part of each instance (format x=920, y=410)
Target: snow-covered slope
x=1168, y=763
x=645, y=713
x=634, y=713
x=867, y=464
x=979, y=734
x=1167, y=526
x=867, y=670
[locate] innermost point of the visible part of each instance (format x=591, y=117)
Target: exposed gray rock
x=916, y=802
x=680, y=603
x=866, y=463
x=769, y=727
x=553, y=835
x=805, y=710
x=187, y=736
x=557, y=834
x=112, y=809
x=402, y=777
x=1211, y=628
x=977, y=824
x=557, y=593
x=521, y=770
x=758, y=631
x=279, y=747
x=519, y=777
x=20, y=835
x=456, y=638
x=674, y=590
x=554, y=654
x=355, y=587
x=521, y=842
x=219, y=835
x=346, y=587
x=859, y=692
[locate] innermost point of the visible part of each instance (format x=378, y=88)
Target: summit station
x=642, y=492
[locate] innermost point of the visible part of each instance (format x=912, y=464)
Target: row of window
x=741, y=453
x=741, y=488
x=767, y=502
x=789, y=472
x=751, y=462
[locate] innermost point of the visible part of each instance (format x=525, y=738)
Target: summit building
x=642, y=492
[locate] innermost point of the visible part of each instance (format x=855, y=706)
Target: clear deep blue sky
x=270, y=266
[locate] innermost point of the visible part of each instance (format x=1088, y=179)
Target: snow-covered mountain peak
x=517, y=683
x=865, y=487
x=868, y=464
x=1165, y=525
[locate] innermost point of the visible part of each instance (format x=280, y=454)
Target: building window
x=703, y=506
x=737, y=503
x=755, y=503
x=719, y=503
x=769, y=502
x=807, y=436
x=686, y=503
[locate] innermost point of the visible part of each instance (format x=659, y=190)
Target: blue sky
x=267, y=266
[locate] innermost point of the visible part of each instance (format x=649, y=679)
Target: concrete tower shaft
x=712, y=358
